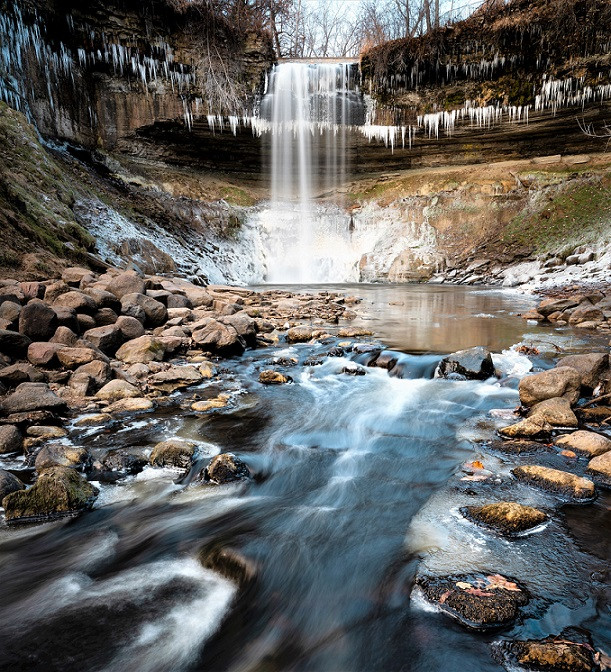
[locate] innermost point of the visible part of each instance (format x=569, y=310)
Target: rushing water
x=357, y=488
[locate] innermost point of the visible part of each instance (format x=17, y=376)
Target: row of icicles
x=17, y=39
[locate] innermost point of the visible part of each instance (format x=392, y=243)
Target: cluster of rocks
x=586, y=310
x=564, y=410
x=118, y=343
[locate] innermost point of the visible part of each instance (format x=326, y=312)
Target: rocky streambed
x=221, y=478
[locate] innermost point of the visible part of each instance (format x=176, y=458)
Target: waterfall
x=309, y=109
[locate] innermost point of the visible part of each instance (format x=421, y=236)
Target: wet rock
x=22, y=372
x=552, y=654
x=269, y=377
x=557, y=412
x=473, y=364
x=600, y=468
x=58, y=455
x=225, y=468
x=585, y=443
x=507, y=518
x=556, y=481
x=9, y=483
x=176, y=378
x=300, y=334
x=32, y=397
x=126, y=283
x=142, y=350
x=121, y=462
x=107, y=338
x=529, y=428
x=94, y=420
x=563, y=381
x=131, y=405
x=230, y=563
x=385, y=360
x=38, y=321
x=173, y=453
x=57, y=491
x=72, y=358
x=590, y=367
x=155, y=312
x=46, y=432
x=207, y=370
x=209, y=404
x=596, y=414
x=79, y=302
x=11, y=440
x=478, y=601
x=117, y=389
x=222, y=339
x=354, y=370
x=13, y=343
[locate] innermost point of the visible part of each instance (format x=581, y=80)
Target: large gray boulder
x=472, y=364
x=216, y=337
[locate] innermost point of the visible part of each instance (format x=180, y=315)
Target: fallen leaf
x=567, y=453
x=478, y=592
x=445, y=596
x=498, y=581
x=463, y=585
x=477, y=464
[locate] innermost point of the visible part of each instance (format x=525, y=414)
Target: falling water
x=309, y=108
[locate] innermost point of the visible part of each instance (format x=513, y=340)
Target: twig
x=596, y=400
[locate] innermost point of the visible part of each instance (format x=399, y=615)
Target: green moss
x=581, y=213
x=237, y=196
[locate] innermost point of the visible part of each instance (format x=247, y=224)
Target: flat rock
x=79, y=302
x=94, y=420
x=46, y=432
x=209, y=404
x=556, y=411
x=563, y=381
x=72, y=358
x=300, y=334
x=174, y=453
x=32, y=397
x=585, y=443
x=472, y=364
x=556, y=481
x=175, y=378
x=600, y=468
x=57, y=491
x=529, y=428
x=131, y=405
x=22, y=372
x=507, y=518
x=479, y=601
x=225, y=468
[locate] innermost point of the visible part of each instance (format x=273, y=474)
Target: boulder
x=245, y=326
x=197, y=296
x=82, y=384
x=173, y=453
x=477, y=601
x=10, y=311
x=117, y=389
x=563, y=381
x=72, y=276
x=13, y=343
x=79, y=302
x=210, y=404
x=585, y=312
x=32, y=397
x=72, y=358
x=21, y=373
x=64, y=336
x=131, y=405
x=107, y=338
x=44, y=354
x=269, y=377
x=105, y=316
x=214, y=336
x=100, y=372
x=472, y=364
x=552, y=654
x=104, y=299
x=9, y=483
x=300, y=334
x=54, y=290
x=129, y=327
x=175, y=378
x=11, y=440
x=46, y=432
x=58, y=455
x=225, y=468
x=126, y=283
x=590, y=367
x=556, y=481
x=57, y=491
x=507, y=518
x=529, y=428
x=85, y=322
x=584, y=443
x=155, y=312
x=38, y=321
x=600, y=468
x=123, y=463
x=549, y=306
x=557, y=412
x=177, y=301
x=32, y=290
x=142, y=350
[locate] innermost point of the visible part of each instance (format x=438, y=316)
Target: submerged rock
x=562, y=381
x=230, y=563
x=556, y=481
x=174, y=453
x=225, y=468
x=552, y=654
x=58, y=491
x=508, y=518
x=472, y=364
x=585, y=443
x=478, y=601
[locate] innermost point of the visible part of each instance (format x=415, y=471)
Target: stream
x=356, y=489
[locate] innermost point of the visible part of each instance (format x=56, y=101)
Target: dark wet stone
x=173, y=453
x=58, y=491
x=473, y=364
x=230, y=563
x=59, y=455
x=385, y=360
x=507, y=518
x=478, y=601
x=314, y=360
x=556, y=481
x=354, y=371
x=10, y=439
x=336, y=352
x=283, y=361
x=225, y=468
x=13, y=343
x=9, y=483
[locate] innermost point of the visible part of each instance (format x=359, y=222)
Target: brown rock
x=38, y=320
x=529, y=428
x=507, y=518
x=11, y=440
x=585, y=312
x=590, y=367
x=600, y=468
x=72, y=358
x=9, y=483
x=85, y=322
x=79, y=302
x=563, y=381
x=585, y=443
x=225, y=468
x=44, y=354
x=32, y=397
x=269, y=377
x=117, y=389
x=175, y=378
x=155, y=312
x=105, y=316
x=64, y=336
x=549, y=306
x=72, y=276
x=300, y=334
x=131, y=405
x=129, y=327
x=142, y=350
x=553, y=654
x=13, y=343
x=213, y=336
x=556, y=481
x=32, y=290
x=46, y=432
x=557, y=412
x=58, y=455
x=107, y=339
x=22, y=372
x=10, y=311
x=173, y=453
x=99, y=371
x=126, y=283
